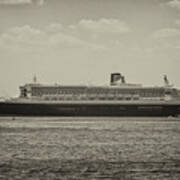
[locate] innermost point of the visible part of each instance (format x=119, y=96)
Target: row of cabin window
x=91, y=98
x=114, y=94
x=79, y=91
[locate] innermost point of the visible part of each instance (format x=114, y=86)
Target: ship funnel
x=115, y=78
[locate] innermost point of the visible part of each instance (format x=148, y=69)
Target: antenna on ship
x=34, y=79
x=166, y=82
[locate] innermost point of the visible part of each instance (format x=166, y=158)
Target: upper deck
x=116, y=91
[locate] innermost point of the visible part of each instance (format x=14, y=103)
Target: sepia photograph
x=89, y=89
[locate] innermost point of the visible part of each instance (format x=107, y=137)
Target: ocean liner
x=117, y=99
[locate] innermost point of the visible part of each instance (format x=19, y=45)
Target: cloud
x=177, y=22
x=98, y=35
x=23, y=36
x=174, y=4
x=166, y=33
x=103, y=26
x=20, y=2
x=14, y=2
x=54, y=28
x=168, y=38
x=52, y=37
x=38, y=2
x=57, y=37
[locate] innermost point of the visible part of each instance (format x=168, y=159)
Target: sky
x=73, y=42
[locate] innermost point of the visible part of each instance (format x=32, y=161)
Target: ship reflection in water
x=118, y=99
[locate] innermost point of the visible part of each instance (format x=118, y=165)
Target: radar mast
x=166, y=82
x=34, y=79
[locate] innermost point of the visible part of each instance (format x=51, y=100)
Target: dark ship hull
x=89, y=109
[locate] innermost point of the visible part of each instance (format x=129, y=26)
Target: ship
x=119, y=98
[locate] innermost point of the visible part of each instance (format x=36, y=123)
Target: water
x=90, y=148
